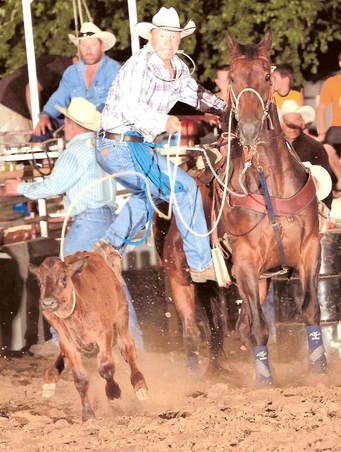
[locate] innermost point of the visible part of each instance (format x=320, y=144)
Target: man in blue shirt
x=75, y=169
x=90, y=78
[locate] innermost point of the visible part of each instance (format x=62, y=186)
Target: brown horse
x=258, y=241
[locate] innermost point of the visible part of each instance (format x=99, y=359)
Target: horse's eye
x=267, y=77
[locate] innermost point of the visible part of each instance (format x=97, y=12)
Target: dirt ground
x=183, y=413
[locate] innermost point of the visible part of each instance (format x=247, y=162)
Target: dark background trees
x=306, y=33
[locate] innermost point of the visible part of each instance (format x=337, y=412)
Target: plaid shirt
x=139, y=98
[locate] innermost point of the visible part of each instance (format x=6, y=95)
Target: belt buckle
x=101, y=133
x=122, y=137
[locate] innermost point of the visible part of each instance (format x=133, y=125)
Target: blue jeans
x=87, y=228
x=115, y=156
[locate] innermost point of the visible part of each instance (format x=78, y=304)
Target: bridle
x=235, y=99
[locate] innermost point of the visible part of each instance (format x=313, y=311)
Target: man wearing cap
x=136, y=111
x=294, y=119
x=90, y=78
x=75, y=169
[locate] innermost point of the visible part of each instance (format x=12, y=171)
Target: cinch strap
x=273, y=221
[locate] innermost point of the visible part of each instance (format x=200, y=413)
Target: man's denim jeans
x=87, y=228
x=114, y=157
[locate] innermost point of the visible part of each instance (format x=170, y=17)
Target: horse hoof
x=87, y=415
x=193, y=364
x=113, y=391
x=263, y=382
x=319, y=366
x=142, y=394
x=49, y=390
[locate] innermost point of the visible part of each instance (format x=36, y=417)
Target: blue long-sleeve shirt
x=73, y=85
x=74, y=170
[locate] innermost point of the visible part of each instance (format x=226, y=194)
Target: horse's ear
x=265, y=44
x=231, y=44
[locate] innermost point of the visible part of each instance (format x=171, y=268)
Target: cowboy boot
x=203, y=276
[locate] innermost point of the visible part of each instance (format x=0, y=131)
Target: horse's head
x=250, y=86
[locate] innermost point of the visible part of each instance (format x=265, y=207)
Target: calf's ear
x=78, y=265
x=34, y=269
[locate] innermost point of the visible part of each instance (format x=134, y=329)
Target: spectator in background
x=90, y=78
x=222, y=81
x=15, y=109
x=282, y=79
x=294, y=120
x=330, y=97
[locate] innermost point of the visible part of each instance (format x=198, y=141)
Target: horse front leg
x=309, y=269
x=174, y=263
x=252, y=324
x=211, y=298
x=184, y=298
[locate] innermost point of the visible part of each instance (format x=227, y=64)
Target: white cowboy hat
x=291, y=106
x=82, y=112
x=167, y=19
x=322, y=179
x=90, y=30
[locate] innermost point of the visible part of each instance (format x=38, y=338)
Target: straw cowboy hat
x=83, y=113
x=322, y=179
x=90, y=30
x=291, y=106
x=166, y=19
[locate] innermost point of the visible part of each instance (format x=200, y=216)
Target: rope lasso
x=172, y=198
x=172, y=178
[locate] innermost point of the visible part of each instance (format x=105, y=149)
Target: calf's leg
x=106, y=365
x=80, y=377
x=52, y=375
x=128, y=351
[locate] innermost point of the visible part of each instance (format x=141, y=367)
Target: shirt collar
x=159, y=68
x=80, y=137
x=103, y=60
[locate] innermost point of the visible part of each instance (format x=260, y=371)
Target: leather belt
x=120, y=136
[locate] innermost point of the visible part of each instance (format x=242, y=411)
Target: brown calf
x=83, y=299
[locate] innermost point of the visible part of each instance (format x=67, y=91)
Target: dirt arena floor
x=183, y=413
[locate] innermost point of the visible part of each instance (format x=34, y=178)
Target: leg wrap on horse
x=317, y=354
x=263, y=373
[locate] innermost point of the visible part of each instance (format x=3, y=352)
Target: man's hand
x=43, y=124
x=173, y=124
x=11, y=187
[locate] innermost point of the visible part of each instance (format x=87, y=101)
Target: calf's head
x=55, y=281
